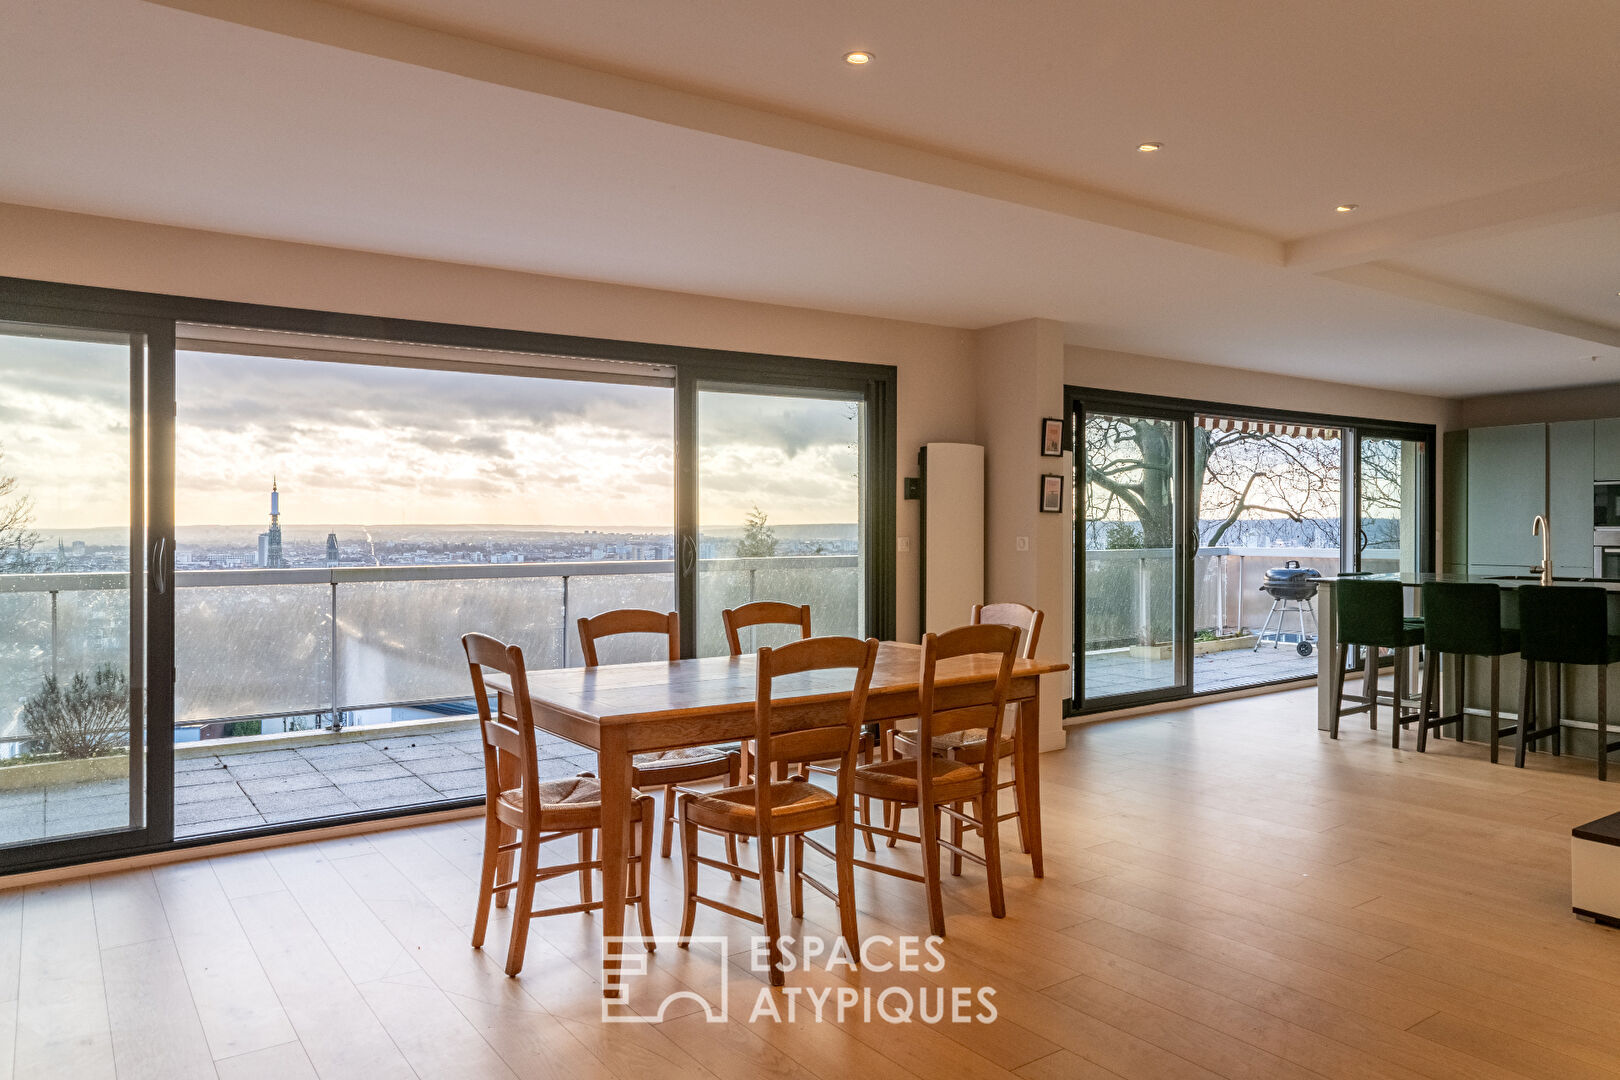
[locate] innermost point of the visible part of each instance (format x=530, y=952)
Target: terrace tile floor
x=217, y=793
x=1117, y=672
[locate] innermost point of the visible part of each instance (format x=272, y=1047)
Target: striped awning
x=1265, y=427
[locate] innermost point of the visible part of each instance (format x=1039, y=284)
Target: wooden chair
x=791, y=807
x=661, y=768
x=934, y=784
x=777, y=613
x=963, y=746
x=538, y=811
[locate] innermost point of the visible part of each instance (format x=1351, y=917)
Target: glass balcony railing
x=302, y=648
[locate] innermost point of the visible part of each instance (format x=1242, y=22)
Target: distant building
x=331, y=549
x=270, y=542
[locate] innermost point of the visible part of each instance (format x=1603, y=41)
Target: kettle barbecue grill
x=1291, y=588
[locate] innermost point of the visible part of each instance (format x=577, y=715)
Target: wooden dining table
x=621, y=710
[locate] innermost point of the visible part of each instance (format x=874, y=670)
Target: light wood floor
x=1229, y=895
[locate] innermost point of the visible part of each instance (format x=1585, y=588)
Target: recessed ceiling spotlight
x=1149, y=147
x=1347, y=207
x=858, y=57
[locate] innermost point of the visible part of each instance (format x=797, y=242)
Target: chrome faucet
x=1543, y=528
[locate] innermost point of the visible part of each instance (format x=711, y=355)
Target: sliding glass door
x=1132, y=528
x=780, y=508
x=84, y=580
x=1201, y=530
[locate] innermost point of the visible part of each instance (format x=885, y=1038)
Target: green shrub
x=89, y=717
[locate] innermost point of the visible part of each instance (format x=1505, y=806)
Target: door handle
x=688, y=555
x=160, y=566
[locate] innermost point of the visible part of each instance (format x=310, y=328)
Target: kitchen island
x=1579, y=697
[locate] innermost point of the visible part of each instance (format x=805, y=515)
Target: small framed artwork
x=1051, y=437
x=1051, y=493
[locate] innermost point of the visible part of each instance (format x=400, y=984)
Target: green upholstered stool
x=1464, y=619
x=1561, y=625
x=1372, y=614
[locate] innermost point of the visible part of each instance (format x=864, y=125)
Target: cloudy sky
x=357, y=444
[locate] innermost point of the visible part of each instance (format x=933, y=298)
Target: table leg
x=1029, y=733
x=613, y=769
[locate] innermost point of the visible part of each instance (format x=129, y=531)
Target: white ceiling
x=1476, y=264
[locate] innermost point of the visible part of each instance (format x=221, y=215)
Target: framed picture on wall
x=1051, y=437
x=1051, y=493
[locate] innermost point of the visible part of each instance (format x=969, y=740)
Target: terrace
x=309, y=693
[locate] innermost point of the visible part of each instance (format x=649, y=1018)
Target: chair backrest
x=993, y=641
x=1026, y=619
x=1370, y=612
x=833, y=734
x=1463, y=617
x=628, y=621
x=1563, y=624
x=763, y=613
x=509, y=748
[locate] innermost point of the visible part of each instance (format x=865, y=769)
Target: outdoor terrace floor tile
x=374, y=794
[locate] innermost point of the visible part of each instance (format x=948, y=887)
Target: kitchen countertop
x=1412, y=581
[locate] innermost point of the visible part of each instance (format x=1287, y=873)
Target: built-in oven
x=1606, y=552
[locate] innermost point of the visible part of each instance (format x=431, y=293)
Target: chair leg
x=503, y=864
x=733, y=778
x=669, y=818
x=956, y=838
x=891, y=819
x=1019, y=794
x=586, y=849
x=643, y=865
x=844, y=862
x=928, y=829
x=486, y=878
x=1462, y=697
x=796, y=875
x=1395, y=699
x=773, y=918
x=1369, y=686
x=866, y=801
x=528, y=867
x=990, y=831
x=689, y=843
x=1496, y=706
x=1557, y=691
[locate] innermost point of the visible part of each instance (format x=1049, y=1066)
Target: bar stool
x=1464, y=619
x=1372, y=614
x=1561, y=625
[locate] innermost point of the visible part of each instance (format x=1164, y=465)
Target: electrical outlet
x=1022, y=543
x=904, y=543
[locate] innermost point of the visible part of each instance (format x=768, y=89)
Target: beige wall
x=935, y=364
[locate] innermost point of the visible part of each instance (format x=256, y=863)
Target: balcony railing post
x=564, y=628
x=337, y=716
x=53, y=633
x=1144, y=603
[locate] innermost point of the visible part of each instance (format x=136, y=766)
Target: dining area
x=759, y=759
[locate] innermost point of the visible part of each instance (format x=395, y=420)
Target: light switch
x=1022, y=543
x=904, y=543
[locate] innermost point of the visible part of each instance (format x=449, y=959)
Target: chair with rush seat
x=936, y=785
x=662, y=768
x=538, y=811
x=1372, y=614
x=962, y=746
x=1561, y=625
x=790, y=807
x=1464, y=619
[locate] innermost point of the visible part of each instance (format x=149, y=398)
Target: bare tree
x=16, y=514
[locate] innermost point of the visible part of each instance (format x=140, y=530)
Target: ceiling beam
x=1403, y=283
x=391, y=39
x=1590, y=193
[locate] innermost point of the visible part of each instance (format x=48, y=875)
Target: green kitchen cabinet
x=1571, y=451
x=1606, y=450
x=1507, y=488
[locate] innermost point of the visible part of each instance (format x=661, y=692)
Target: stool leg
x=1557, y=689
x=1369, y=686
x=1527, y=711
x=1603, y=721
x=1341, y=655
x=1395, y=699
x=1423, y=703
x=1462, y=697
x=1496, y=706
